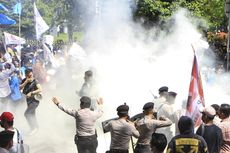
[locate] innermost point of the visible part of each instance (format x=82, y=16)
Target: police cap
x=85, y=101
x=163, y=89
x=149, y=105
x=172, y=93
x=123, y=109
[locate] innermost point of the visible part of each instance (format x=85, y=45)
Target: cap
x=123, y=109
x=149, y=105
x=6, y=136
x=209, y=111
x=7, y=116
x=185, y=124
x=172, y=93
x=163, y=89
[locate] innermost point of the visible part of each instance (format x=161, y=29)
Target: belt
x=142, y=145
x=118, y=151
x=90, y=136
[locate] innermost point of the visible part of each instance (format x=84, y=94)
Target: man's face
x=30, y=76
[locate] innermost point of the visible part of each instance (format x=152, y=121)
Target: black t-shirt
x=212, y=134
x=188, y=143
x=30, y=86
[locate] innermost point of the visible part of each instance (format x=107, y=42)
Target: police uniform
x=146, y=126
x=121, y=131
x=85, y=138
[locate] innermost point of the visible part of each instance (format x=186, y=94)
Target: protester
x=216, y=119
x=7, y=122
x=31, y=88
x=158, y=143
x=211, y=133
x=6, y=141
x=224, y=115
x=121, y=130
x=146, y=126
x=6, y=71
x=86, y=136
x=187, y=141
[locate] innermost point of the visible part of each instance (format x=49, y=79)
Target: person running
x=31, y=88
x=86, y=136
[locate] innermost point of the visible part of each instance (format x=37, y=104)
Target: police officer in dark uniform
x=121, y=130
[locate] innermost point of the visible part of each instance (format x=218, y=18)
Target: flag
x=195, y=100
x=2, y=7
x=40, y=24
x=6, y=20
x=17, y=8
x=12, y=39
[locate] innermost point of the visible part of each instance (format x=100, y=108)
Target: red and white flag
x=195, y=100
x=40, y=24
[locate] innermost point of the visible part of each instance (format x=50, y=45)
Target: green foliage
x=155, y=11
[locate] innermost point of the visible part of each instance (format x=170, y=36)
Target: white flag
x=40, y=24
x=12, y=39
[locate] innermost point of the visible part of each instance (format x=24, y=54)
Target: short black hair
x=27, y=71
x=85, y=102
x=159, y=141
x=225, y=108
x=216, y=107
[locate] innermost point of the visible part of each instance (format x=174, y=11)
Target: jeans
x=86, y=144
x=30, y=113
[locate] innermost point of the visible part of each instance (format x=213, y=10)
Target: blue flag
x=2, y=7
x=6, y=20
x=17, y=8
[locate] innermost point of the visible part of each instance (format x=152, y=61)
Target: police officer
x=166, y=109
x=146, y=126
x=86, y=137
x=121, y=130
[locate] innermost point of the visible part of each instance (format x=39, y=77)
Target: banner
x=5, y=20
x=196, y=96
x=40, y=24
x=12, y=39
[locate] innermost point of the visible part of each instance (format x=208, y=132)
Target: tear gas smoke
x=129, y=62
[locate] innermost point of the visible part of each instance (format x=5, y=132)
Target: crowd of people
x=151, y=131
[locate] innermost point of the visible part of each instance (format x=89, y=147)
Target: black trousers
x=86, y=144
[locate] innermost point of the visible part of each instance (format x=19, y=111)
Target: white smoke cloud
x=130, y=63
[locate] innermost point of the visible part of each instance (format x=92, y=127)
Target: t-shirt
x=212, y=135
